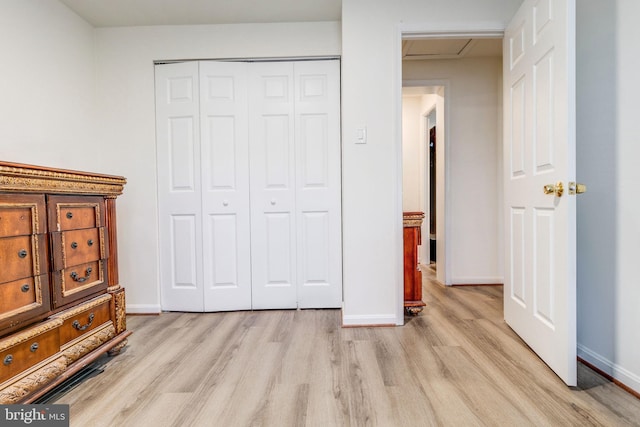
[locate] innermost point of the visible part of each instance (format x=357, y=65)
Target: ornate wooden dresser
x=412, y=221
x=61, y=305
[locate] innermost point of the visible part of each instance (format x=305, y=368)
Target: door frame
x=424, y=31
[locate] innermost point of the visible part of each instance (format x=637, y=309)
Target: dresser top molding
x=20, y=178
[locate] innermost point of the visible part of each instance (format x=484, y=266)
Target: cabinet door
x=79, y=247
x=24, y=283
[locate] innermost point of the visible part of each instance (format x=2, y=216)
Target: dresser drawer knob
x=76, y=324
x=8, y=359
x=79, y=279
x=74, y=245
x=22, y=253
x=34, y=347
x=90, y=242
x=25, y=287
x=69, y=215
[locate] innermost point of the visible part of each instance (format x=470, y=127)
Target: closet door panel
x=179, y=190
x=318, y=184
x=225, y=185
x=272, y=160
x=183, y=246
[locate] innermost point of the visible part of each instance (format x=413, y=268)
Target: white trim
x=398, y=229
x=424, y=250
x=488, y=280
x=437, y=30
x=621, y=374
x=143, y=309
x=253, y=59
x=370, y=320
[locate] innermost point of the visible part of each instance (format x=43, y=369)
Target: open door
x=539, y=168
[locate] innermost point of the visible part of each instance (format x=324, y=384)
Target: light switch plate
x=361, y=135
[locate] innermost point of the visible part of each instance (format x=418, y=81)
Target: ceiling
x=450, y=48
x=124, y=13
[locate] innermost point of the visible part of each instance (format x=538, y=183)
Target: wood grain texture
x=456, y=364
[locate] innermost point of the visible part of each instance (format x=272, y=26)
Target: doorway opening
x=452, y=101
x=423, y=167
x=431, y=140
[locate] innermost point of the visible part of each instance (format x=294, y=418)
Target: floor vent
x=56, y=393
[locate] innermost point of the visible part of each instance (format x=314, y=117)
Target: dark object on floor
x=57, y=392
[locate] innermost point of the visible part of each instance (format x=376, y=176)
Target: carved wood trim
x=36, y=179
x=412, y=219
x=86, y=344
x=120, y=311
x=32, y=381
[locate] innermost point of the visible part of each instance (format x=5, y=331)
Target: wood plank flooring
x=455, y=364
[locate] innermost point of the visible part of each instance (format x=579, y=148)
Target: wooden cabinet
x=412, y=221
x=61, y=305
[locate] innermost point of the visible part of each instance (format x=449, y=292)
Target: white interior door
x=539, y=150
x=224, y=141
x=272, y=160
x=179, y=192
x=318, y=204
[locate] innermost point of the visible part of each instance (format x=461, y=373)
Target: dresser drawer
x=73, y=212
x=22, y=256
x=21, y=215
x=78, y=247
x=23, y=350
x=23, y=298
x=76, y=282
x=84, y=318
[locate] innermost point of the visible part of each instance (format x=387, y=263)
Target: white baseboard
x=369, y=320
x=143, y=309
x=621, y=374
x=488, y=280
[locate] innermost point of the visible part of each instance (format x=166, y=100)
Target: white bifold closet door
x=203, y=186
x=249, y=185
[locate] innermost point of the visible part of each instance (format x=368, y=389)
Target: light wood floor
x=455, y=364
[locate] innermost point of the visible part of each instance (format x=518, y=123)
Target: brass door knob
x=557, y=189
x=576, y=188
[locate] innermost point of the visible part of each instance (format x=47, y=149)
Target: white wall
x=412, y=140
x=372, y=222
x=473, y=141
x=125, y=92
x=607, y=161
x=47, y=87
